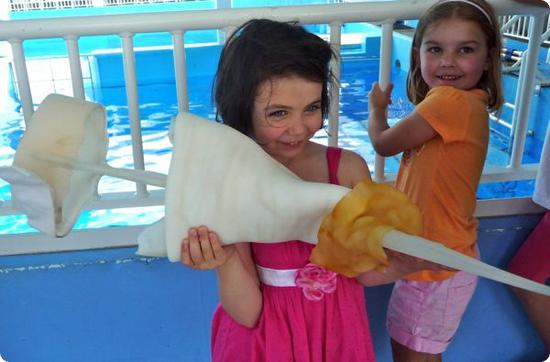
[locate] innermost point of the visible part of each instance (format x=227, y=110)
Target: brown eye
x=278, y=113
x=313, y=108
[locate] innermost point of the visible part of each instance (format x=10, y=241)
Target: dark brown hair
x=263, y=49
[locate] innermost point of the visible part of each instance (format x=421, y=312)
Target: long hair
x=260, y=50
x=491, y=78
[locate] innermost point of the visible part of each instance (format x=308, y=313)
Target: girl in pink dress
x=272, y=85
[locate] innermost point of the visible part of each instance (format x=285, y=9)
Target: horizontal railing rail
x=178, y=22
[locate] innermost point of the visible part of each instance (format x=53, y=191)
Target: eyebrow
x=279, y=106
x=433, y=42
x=276, y=106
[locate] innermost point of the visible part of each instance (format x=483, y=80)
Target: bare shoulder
x=353, y=169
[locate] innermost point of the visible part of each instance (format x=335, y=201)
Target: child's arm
x=238, y=283
x=399, y=266
x=409, y=132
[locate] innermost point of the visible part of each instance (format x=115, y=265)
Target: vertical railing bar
x=544, y=37
x=384, y=80
x=335, y=63
x=227, y=32
x=525, y=86
x=180, y=69
x=220, y=34
x=517, y=100
x=22, y=75
x=509, y=23
x=74, y=63
x=521, y=27
x=129, y=62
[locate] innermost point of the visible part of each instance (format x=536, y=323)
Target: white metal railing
x=177, y=23
x=515, y=26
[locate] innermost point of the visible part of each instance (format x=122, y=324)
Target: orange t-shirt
x=441, y=176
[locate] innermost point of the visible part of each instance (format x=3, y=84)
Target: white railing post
x=23, y=84
x=133, y=106
x=505, y=28
x=333, y=118
x=76, y=69
x=525, y=89
x=180, y=69
x=384, y=79
x=224, y=4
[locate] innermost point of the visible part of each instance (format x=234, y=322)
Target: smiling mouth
x=449, y=77
x=292, y=143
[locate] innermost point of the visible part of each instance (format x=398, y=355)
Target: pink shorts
x=424, y=316
x=531, y=261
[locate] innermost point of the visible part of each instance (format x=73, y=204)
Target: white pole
x=525, y=87
x=133, y=106
x=384, y=79
x=180, y=70
x=74, y=63
x=333, y=120
x=22, y=75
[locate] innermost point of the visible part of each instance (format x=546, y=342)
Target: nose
x=296, y=124
x=447, y=59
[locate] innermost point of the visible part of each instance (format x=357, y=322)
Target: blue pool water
x=158, y=106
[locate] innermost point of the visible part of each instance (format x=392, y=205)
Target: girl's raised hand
x=202, y=249
x=379, y=98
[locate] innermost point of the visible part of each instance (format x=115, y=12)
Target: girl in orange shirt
x=454, y=81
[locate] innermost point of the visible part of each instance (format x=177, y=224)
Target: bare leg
x=404, y=354
x=537, y=307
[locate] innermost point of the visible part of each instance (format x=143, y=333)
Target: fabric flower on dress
x=316, y=281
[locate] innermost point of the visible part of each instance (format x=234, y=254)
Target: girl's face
x=287, y=113
x=453, y=52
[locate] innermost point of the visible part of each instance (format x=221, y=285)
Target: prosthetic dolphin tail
x=52, y=198
x=221, y=178
x=244, y=194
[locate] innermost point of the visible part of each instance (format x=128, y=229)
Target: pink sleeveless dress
x=330, y=325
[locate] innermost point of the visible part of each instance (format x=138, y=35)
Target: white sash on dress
x=277, y=277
